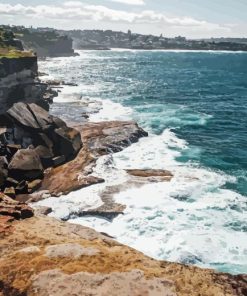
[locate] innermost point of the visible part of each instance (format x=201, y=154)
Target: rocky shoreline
x=43, y=156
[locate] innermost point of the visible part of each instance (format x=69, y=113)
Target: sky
x=189, y=18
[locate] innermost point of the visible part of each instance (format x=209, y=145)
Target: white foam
x=113, y=111
x=188, y=219
x=63, y=206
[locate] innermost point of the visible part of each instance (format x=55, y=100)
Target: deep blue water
x=202, y=96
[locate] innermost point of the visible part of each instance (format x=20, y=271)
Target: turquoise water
x=201, y=96
x=200, y=99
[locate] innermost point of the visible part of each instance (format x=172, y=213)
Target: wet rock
x=33, y=197
x=98, y=138
x=108, y=212
x=43, y=211
x=25, y=164
x=110, y=136
x=155, y=175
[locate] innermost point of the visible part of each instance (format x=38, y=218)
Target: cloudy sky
x=190, y=18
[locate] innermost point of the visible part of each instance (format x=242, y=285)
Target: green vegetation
x=12, y=53
x=8, y=48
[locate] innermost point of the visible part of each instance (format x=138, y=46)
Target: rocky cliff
x=45, y=43
x=19, y=82
x=31, y=140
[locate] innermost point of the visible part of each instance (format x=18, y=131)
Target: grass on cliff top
x=6, y=52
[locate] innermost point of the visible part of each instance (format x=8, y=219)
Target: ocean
x=194, y=106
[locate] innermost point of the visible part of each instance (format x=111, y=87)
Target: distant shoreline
x=161, y=50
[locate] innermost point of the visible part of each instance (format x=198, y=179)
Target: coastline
x=34, y=249
x=186, y=178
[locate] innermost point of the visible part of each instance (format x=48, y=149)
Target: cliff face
x=19, y=82
x=60, y=47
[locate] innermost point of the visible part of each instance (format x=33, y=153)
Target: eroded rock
x=15, y=209
x=131, y=283
x=69, y=250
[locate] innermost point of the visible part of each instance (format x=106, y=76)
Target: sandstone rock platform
x=42, y=256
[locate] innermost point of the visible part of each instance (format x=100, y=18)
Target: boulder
x=26, y=164
x=44, y=119
x=68, y=141
x=21, y=114
x=30, y=116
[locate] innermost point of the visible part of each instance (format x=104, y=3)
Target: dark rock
x=5, y=135
x=46, y=141
x=58, y=160
x=13, y=148
x=21, y=188
x=3, y=170
x=10, y=182
x=58, y=122
x=43, y=118
x=26, y=164
x=22, y=115
x=30, y=116
x=69, y=141
x=45, y=156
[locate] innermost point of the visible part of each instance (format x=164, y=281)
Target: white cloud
x=79, y=12
x=130, y=2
